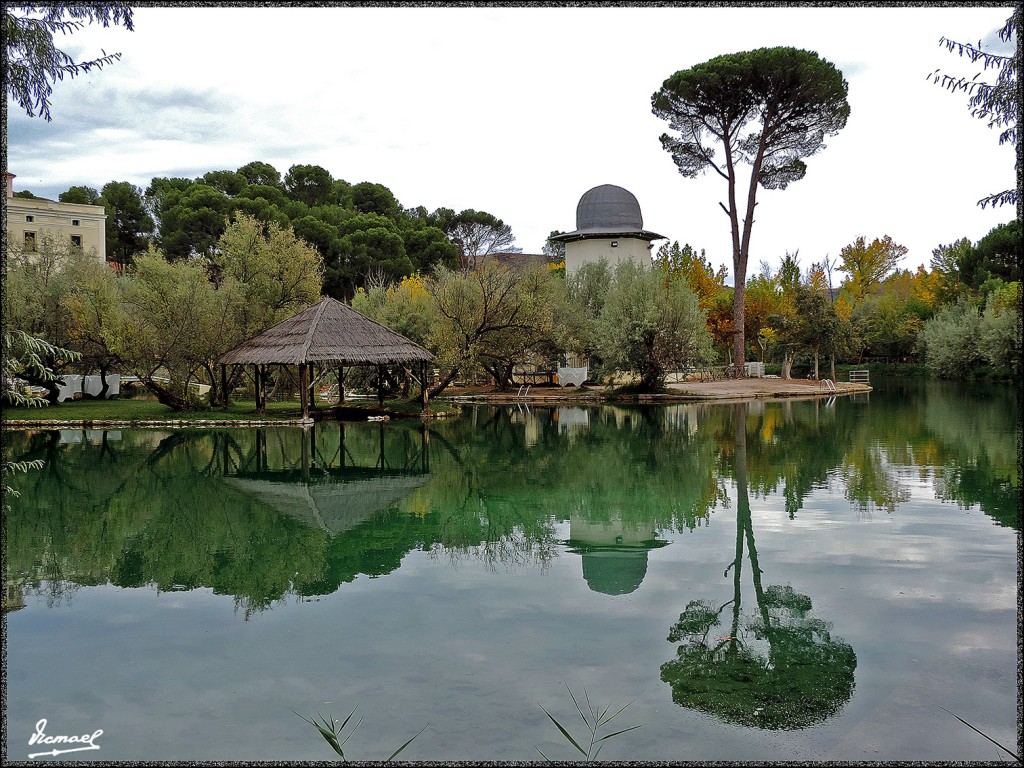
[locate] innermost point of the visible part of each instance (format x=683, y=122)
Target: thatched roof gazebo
x=328, y=335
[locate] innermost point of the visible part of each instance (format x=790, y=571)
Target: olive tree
x=490, y=318
x=169, y=323
x=771, y=108
x=651, y=324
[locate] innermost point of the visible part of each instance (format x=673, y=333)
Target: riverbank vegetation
x=197, y=265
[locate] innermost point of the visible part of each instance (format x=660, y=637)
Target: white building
x=609, y=226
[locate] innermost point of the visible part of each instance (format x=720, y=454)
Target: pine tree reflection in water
x=779, y=669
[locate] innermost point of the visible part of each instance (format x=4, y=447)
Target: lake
x=812, y=580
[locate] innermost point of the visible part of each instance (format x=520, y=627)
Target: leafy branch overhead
x=997, y=102
x=34, y=63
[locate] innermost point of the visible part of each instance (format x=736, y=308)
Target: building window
x=30, y=241
x=74, y=222
x=30, y=219
x=76, y=241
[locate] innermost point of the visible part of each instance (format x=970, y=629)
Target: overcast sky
x=519, y=111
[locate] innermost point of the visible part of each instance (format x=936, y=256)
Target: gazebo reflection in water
x=329, y=487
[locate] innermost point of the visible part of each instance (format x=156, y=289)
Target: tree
x=478, y=234
x=950, y=341
x=695, y=268
x=228, y=182
x=129, y=225
x=430, y=246
x=33, y=64
x=650, y=325
x=170, y=323
x=368, y=197
x=34, y=283
x=80, y=196
x=272, y=273
x=554, y=249
x=309, y=184
x=791, y=97
x=192, y=220
x=1000, y=330
x=948, y=264
x=869, y=264
x=490, y=319
x=261, y=173
x=996, y=102
x=88, y=302
x=1000, y=254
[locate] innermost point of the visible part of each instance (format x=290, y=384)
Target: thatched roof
x=328, y=333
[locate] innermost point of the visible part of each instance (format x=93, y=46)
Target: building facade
x=609, y=226
x=29, y=220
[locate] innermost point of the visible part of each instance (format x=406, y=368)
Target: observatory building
x=609, y=226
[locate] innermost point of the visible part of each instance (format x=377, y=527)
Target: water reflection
x=321, y=484
x=778, y=668
x=613, y=554
x=265, y=514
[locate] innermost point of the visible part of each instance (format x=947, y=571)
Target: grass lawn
x=151, y=410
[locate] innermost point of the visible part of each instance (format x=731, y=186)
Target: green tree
x=368, y=197
x=80, y=195
x=34, y=283
x=191, y=220
x=170, y=323
x=261, y=173
x=429, y=246
x=129, y=225
x=996, y=102
x=818, y=328
x=585, y=292
x=948, y=263
x=650, y=325
x=228, y=182
x=32, y=63
x=309, y=184
x=1000, y=254
x=490, y=319
x=268, y=273
x=951, y=341
x=88, y=303
x=478, y=234
x=868, y=264
x=792, y=99
x=554, y=249
x=1000, y=330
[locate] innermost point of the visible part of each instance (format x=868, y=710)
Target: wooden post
x=261, y=404
x=224, y=384
x=380, y=384
x=424, y=404
x=312, y=387
x=304, y=389
x=341, y=385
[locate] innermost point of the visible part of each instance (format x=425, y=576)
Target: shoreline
x=725, y=391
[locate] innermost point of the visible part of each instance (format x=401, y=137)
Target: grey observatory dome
x=609, y=207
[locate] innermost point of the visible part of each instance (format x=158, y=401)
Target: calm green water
x=770, y=581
